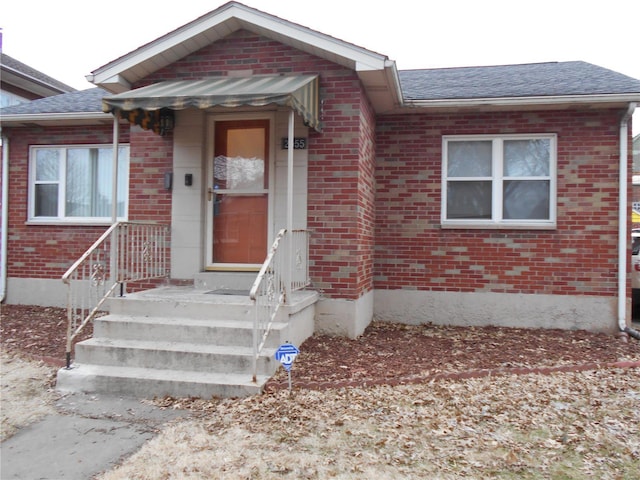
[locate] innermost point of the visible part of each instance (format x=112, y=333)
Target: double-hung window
x=74, y=183
x=499, y=181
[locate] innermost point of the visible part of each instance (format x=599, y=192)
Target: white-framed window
x=499, y=181
x=74, y=183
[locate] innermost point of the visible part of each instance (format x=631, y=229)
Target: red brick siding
x=366, y=197
x=45, y=251
x=342, y=223
x=335, y=211
x=578, y=257
x=151, y=156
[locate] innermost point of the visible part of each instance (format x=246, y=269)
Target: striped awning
x=298, y=92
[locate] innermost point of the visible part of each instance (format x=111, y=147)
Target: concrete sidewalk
x=88, y=435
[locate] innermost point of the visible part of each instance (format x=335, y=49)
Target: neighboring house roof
x=25, y=78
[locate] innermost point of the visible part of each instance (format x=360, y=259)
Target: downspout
x=622, y=224
x=289, y=262
x=5, y=215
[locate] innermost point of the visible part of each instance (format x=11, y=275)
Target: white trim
x=78, y=222
x=496, y=178
x=623, y=239
x=61, y=182
x=4, y=221
x=522, y=101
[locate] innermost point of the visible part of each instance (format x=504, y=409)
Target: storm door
x=239, y=192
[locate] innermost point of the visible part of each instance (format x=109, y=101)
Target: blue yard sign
x=286, y=354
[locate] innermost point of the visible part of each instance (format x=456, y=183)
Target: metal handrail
x=279, y=275
x=125, y=252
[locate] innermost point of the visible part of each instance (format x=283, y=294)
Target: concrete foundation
x=347, y=318
x=36, y=291
x=509, y=310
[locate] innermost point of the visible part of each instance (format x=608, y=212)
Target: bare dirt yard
x=398, y=402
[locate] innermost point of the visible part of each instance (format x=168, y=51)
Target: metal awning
x=142, y=105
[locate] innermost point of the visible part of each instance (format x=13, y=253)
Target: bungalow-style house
x=317, y=175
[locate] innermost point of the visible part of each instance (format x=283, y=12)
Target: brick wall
x=340, y=172
x=340, y=183
x=578, y=257
x=151, y=156
x=340, y=191
x=45, y=251
x=366, y=197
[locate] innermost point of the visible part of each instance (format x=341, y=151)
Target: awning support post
x=289, y=269
x=114, y=195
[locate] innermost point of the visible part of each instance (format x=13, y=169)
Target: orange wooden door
x=240, y=187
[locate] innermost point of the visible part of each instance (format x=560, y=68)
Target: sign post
x=286, y=354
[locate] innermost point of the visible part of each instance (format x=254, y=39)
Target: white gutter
x=5, y=215
x=623, y=219
x=520, y=101
x=9, y=119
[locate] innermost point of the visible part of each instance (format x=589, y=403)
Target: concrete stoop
x=182, y=342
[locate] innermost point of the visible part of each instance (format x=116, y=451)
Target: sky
x=68, y=39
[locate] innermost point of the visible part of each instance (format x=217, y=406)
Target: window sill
x=498, y=226
x=68, y=223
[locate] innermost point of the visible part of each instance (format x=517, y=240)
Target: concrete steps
x=179, y=341
x=198, y=357
x=187, y=330
x=155, y=382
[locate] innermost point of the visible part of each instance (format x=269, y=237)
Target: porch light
x=166, y=120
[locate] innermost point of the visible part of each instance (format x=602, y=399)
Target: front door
x=239, y=193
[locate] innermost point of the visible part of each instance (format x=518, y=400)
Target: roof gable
x=377, y=72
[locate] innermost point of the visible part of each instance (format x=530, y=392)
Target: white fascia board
x=522, y=101
x=111, y=73
x=115, y=84
x=363, y=59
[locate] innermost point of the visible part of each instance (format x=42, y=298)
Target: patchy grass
x=26, y=389
x=569, y=425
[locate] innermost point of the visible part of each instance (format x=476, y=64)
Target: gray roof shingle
x=80, y=101
x=527, y=80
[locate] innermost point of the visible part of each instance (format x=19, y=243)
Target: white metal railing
x=126, y=252
x=285, y=270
